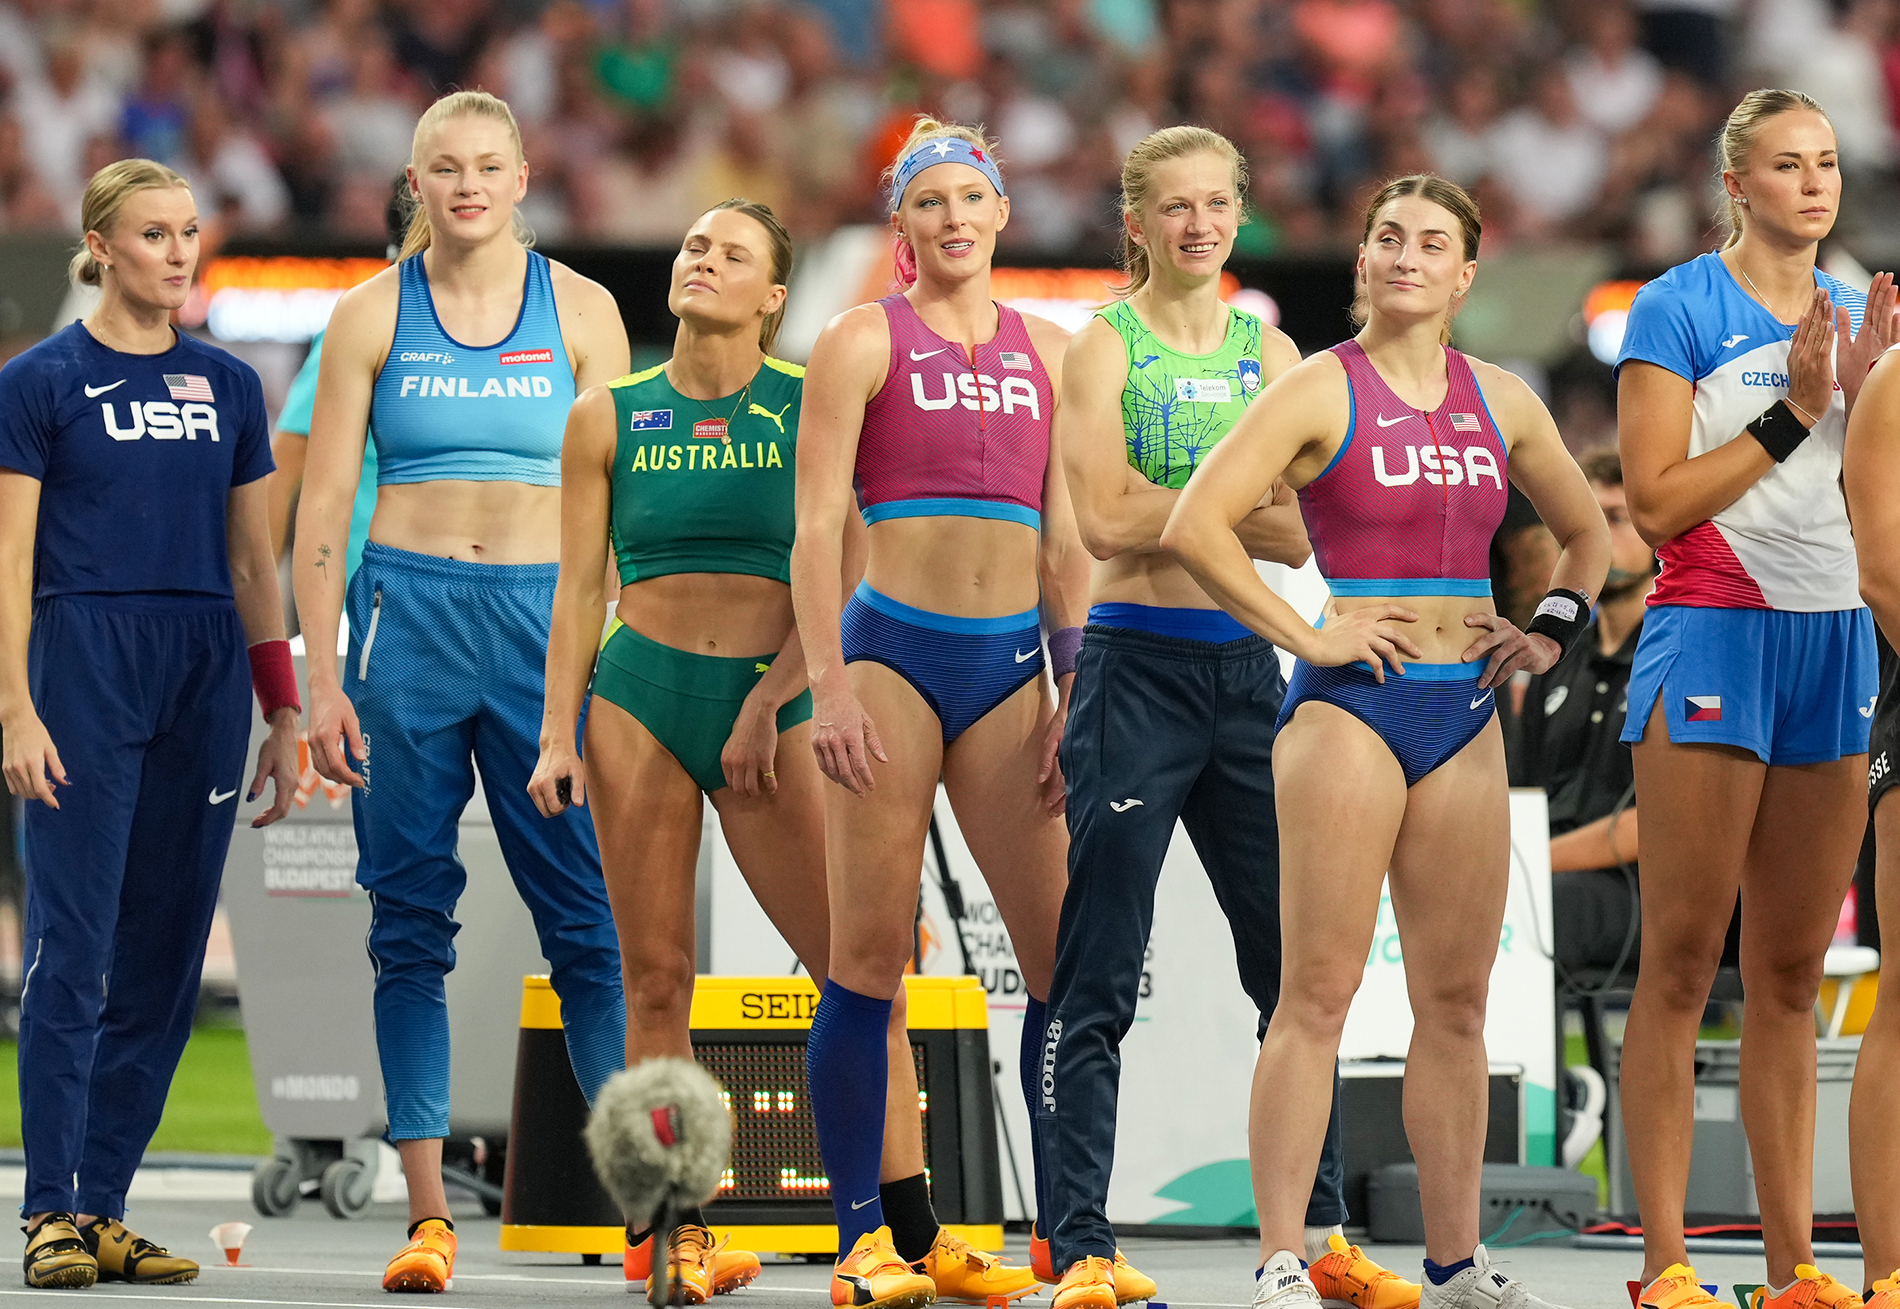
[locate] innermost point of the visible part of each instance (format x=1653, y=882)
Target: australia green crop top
x=692, y=495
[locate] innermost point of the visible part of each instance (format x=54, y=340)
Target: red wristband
x=274, y=677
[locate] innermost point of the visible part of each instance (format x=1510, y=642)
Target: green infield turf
x=212, y=1108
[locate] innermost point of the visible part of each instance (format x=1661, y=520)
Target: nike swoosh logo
x=220, y=799
x=92, y=391
x=1481, y=699
x=1023, y=656
x=1122, y=806
x=859, y=1204
x=914, y=357
x=1387, y=422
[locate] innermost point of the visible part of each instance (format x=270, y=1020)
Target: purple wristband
x=1065, y=643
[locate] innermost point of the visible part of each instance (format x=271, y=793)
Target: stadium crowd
x=1589, y=119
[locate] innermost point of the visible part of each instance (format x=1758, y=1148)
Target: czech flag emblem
x=1702, y=709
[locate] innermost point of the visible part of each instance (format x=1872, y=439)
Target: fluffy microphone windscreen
x=660, y=1134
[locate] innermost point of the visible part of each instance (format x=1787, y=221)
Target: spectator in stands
x=229, y=172
x=1691, y=35
x=59, y=112
x=1613, y=81
x=1460, y=136
x=157, y=113
x=1548, y=157
x=1567, y=743
x=375, y=117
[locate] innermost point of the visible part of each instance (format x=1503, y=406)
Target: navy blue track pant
x=1187, y=728
x=148, y=701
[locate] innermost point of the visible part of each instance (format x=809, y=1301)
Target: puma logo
x=778, y=419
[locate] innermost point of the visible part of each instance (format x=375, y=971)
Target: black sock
x=444, y=1219
x=696, y=1216
x=907, y=1211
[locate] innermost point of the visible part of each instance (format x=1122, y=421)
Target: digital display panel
x=774, y=1137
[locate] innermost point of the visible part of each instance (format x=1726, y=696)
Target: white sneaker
x=1283, y=1284
x=1480, y=1287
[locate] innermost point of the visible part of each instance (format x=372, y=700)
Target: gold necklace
x=715, y=426
x=1757, y=290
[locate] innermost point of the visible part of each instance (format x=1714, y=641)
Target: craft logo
x=526, y=357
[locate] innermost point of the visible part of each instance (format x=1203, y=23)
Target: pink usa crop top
x=1409, y=504
x=955, y=436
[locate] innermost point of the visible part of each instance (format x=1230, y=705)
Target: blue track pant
x=445, y=670
x=148, y=701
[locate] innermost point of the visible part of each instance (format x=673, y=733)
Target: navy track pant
x=148, y=701
x=1187, y=728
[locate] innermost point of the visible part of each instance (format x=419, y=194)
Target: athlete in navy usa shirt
x=131, y=496
x=136, y=456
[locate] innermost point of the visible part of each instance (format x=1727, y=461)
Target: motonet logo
x=316, y=1086
x=801, y=1005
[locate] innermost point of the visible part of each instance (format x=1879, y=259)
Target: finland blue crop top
x=442, y=409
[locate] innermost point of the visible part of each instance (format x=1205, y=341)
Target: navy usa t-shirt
x=136, y=456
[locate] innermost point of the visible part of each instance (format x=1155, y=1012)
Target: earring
x=1741, y=199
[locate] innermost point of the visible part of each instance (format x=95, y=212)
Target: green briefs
x=688, y=701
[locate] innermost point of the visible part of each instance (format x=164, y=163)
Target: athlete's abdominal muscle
x=1440, y=631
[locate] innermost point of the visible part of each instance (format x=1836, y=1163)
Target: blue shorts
x=1794, y=688
x=1424, y=717
x=962, y=667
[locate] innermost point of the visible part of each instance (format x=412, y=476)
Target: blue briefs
x=1424, y=717
x=962, y=667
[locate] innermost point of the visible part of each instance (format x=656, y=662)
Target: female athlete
x=688, y=469
x=1754, y=680
x=1175, y=702
x=449, y=613
x=136, y=570
x=935, y=403
x=1389, y=760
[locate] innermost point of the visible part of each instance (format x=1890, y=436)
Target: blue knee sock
x=846, y=1067
x=1035, y=1024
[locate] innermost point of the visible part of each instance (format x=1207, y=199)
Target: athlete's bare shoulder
x=860, y=335
x=1277, y=351
x=1049, y=338
x=582, y=294
x=363, y=324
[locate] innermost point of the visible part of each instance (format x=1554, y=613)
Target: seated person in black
x=1569, y=722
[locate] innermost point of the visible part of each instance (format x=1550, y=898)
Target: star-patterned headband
x=942, y=150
